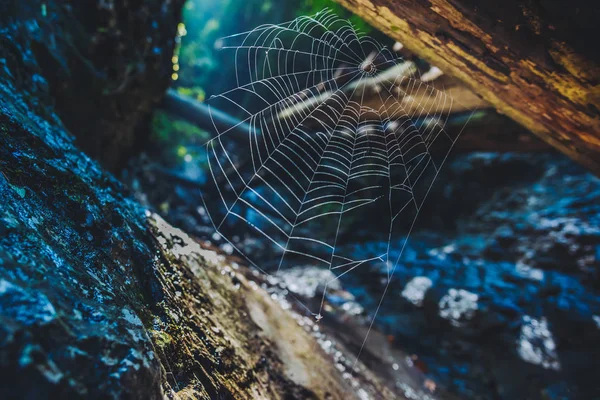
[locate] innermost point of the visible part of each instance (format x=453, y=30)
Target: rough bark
x=424, y=101
x=536, y=62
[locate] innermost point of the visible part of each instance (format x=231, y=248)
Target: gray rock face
x=76, y=256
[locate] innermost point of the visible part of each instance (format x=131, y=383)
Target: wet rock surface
x=498, y=289
x=76, y=263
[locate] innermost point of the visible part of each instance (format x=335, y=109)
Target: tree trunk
x=536, y=62
x=105, y=66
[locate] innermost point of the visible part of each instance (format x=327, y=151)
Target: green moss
x=161, y=338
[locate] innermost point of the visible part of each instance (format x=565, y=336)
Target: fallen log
x=489, y=132
x=536, y=63
x=203, y=116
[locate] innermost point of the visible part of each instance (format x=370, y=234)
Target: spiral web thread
x=313, y=159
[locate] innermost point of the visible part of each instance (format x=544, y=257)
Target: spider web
x=311, y=159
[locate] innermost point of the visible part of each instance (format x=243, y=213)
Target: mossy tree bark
x=537, y=62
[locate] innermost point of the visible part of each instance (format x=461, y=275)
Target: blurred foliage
x=168, y=134
x=166, y=126
x=311, y=7
x=195, y=92
x=202, y=70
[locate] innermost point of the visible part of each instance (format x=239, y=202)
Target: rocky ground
x=496, y=296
